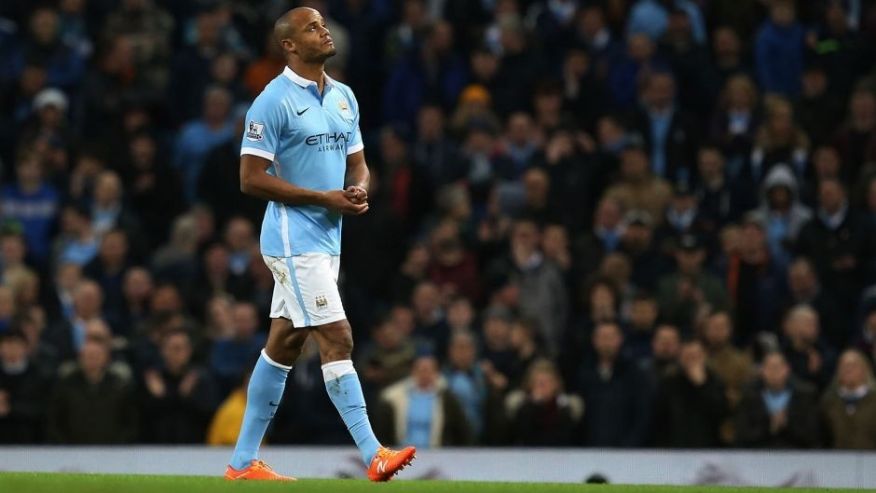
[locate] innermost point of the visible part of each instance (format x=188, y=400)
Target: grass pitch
x=117, y=483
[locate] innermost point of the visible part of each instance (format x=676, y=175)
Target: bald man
x=302, y=151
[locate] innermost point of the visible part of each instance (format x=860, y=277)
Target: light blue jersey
x=308, y=138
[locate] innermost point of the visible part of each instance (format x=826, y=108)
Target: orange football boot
x=258, y=471
x=387, y=462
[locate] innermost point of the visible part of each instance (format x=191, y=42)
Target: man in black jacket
x=22, y=391
x=690, y=404
x=777, y=411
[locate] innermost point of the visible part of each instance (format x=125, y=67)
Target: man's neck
x=309, y=71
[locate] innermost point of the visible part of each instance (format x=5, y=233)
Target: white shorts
x=306, y=289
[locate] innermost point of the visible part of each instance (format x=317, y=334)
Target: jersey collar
x=301, y=81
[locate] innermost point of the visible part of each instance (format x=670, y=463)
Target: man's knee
x=337, y=341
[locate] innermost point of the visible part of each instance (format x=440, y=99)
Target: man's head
x=87, y=299
x=608, y=214
x=302, y=34
x=137, y=285
x=107, y=189
x=94, y=357
x=643, y=312
x=853, y=370
x=802, y=279
x=114, y=248
x=666, y=343
x=774, y=371
x=543, y=381
x=802, y=325
x=246, y=319
x=13, y=349
x=831, y=195
x=658, y=91
x=692, y=354
x=690, y=255
x=607, y=341
x=462, y=351
x=525, y=235
x=176, y=350
x=425, y=372
x=634, y=164
x=710, y=163
x=718, y=329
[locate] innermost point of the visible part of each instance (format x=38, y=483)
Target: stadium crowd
x=616, y=223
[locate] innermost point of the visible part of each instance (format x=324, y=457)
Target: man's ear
x=288, y=46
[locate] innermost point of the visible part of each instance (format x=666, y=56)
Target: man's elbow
x=245, y=184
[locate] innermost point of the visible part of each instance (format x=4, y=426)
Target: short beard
x=321, y=57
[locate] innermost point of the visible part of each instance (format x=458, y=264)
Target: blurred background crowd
x=616, y=223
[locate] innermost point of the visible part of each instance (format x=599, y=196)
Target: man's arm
x=255, y=181
x=358, y=178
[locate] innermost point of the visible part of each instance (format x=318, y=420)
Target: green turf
x=108, y=483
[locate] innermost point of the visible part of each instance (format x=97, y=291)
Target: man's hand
x=154, y=383
x=338, y=200
x=356, y=194
x=5, y=406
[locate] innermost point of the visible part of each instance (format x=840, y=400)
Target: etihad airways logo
x=330, y=141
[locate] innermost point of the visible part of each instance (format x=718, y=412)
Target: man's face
x=310, y=38
x=774, y=371
x=666, y=343
x=176, y=351
x=607, y=340
x=718, y=329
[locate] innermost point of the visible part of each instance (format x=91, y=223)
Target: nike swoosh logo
x=274, y=404
x=302, y=111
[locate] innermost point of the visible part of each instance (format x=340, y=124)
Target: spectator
x=77, y=244
x=732, y=366
x=665, y=349
x=637, y=187
x=420, y=410
x=33, y=203
x=542, y=414
x=668, y=133
x=811, y=360
x=839, y=242
x=108, y=210
x=232, y=354
x=781, y=212
x=109, y=270
x=641, y=326
x=779, y=50
x=779, y=140
x=682, y=294
x=849, y=405
x=690, y=404
x=777, y=411
x=804, y=288
x=199, y=137
x=43, y=46
x=22, y=396
x=543, y=296
x=388, y=357
x=856, y=140
x=738, y=118
x=179, y=397
x=137, y=288
x=605, y=236
x=756, y=279
x=432, y=72
x=92, y=405
x=466, y=381
x=617, y=408
x=154, y=193
x=68, y=336
x=149, y=29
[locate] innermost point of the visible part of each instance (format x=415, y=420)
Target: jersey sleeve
x=262, y=129
x=355, y=145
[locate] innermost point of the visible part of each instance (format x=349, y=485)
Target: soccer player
x=302, y=151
